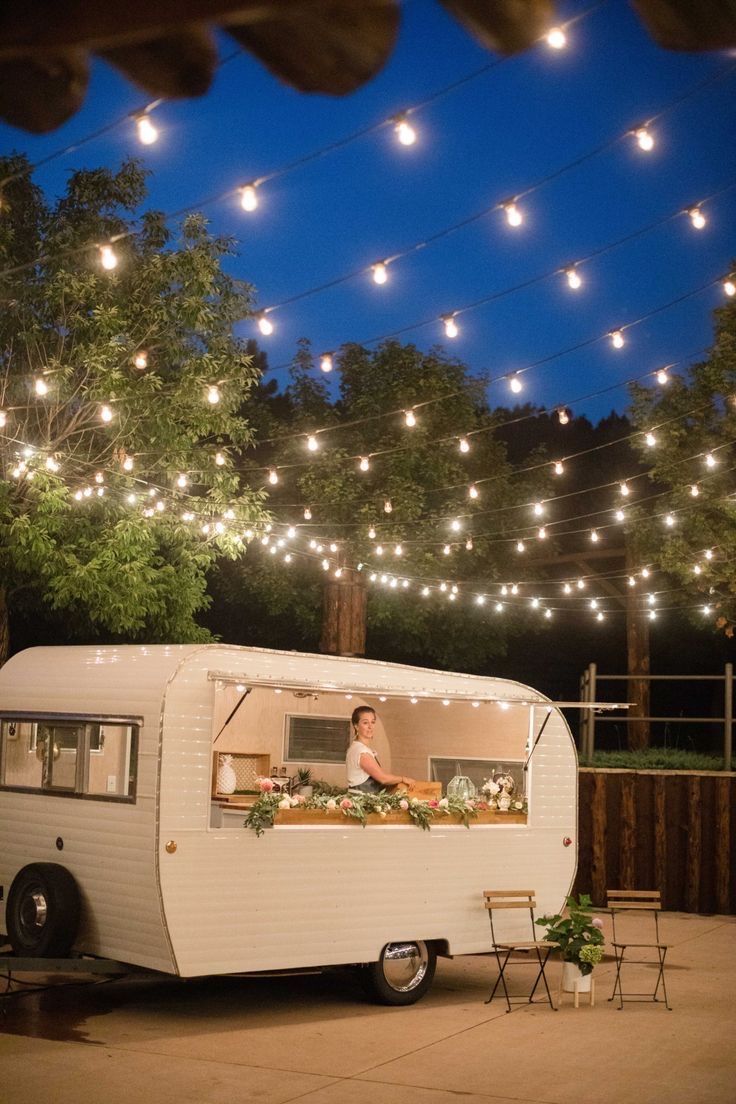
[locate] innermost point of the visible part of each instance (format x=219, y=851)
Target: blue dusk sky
x=553, y=121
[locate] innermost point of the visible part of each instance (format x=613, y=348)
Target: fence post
x=590, y=727
x=728, y=715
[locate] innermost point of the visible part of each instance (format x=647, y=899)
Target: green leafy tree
x=117, y=490
x=693, y=420
x=424, y=476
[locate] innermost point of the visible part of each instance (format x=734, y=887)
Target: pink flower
x=597, y=923
x=299, y=799
x=346, y=803
x=403, y=805
x=265, y=785
x=433, y=804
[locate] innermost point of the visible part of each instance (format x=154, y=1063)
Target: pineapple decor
x=226, y=775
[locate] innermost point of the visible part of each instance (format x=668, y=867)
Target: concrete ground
x=316, y=1039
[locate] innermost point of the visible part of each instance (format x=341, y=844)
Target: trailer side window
x=73, y=757
x=316, y=739
x=477, y=770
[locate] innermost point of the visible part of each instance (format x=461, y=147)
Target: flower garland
x=361, y=806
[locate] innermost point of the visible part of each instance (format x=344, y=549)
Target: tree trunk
x=637, y=643
x=4, y=627
x=343, y=615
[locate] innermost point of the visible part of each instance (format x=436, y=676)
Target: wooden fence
x=666, y=830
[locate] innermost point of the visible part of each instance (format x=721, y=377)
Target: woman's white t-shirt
x=356, y=775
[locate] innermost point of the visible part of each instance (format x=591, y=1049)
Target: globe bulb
x=248, y=197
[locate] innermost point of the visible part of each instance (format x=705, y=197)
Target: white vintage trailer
x=111, y=840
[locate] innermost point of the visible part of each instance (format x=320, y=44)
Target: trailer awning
x=453, y=693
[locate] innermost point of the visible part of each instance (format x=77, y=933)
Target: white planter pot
x=573, y=978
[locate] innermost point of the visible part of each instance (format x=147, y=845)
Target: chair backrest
x=634, y=900
x=509, y=899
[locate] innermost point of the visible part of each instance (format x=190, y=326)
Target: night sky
x=511, y=127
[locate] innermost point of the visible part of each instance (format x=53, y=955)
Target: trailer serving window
x=73, y=756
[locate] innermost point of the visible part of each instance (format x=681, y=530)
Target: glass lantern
x=462, y=787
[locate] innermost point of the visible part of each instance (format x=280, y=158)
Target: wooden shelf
x=286, y=817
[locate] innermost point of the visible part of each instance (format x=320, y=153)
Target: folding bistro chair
x=536, y=950
x=649, y=903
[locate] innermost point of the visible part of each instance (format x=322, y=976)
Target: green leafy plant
x=579, y=935
x=304, y=776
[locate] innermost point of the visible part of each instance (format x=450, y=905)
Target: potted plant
x=579, y=936
x=304, y=781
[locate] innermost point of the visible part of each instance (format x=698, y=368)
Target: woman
x=365, y=773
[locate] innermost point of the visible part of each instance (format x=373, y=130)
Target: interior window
x=317, y=739
x=477, y=770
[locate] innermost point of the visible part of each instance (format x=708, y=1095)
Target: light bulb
x=708, y=553
x=147, y=132
x=469, y=544
x=398, y=550
x=181, y=480
x=594, y=536
x=220, y=459
x=515, y=384
x=41, y=387
x=695, y=490
x=580, y=584
x=548, y=614
x=620, y=515
x=387, y=506
x=599, y=616
x=464, y=444
x=99, y=478
x=472, y=491
x=249, y=197
x=480, y=600
x=451, y=329
x=651, y=440
x=514, y=217
x=213, y=394
x=710, y=460
x=287, y=558
x=380, y=273
x=128, y=463
x=706, y=609
x=559, y=467
x=499, y=607
x=697, y=218
x=312, y=443
x=644, y=138
x=379, y=549
x=425, y=592
x=567, y=589
x=556, y=38
x=632, y=581
x=108, y=258
x=520, y=546
x=364, y=463
x=106, y=414
x=651, y=599
x=405, y=132
x=662, y=376
x=542, y=533
x=594, y=603
x=573, y=278
x=307, y=514
x=729, y=287
x=140, y=360
x=535, y=603
x=669, y=521
x=625, y=490
x=265, y=325
x=446, y=550
x=538, y=509
x=51, y=464
x=273, y=477
x=371, y=533
x=325, y=362
x=563, y=415
x=697, y=569
x=456, y=525
x=617, y=339
x=645, y=573
x=410, y=418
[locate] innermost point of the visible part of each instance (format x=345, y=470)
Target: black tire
x=403, y=973
x=42, y=914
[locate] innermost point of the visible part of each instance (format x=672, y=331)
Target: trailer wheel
x=403, y=973
x=42, y=914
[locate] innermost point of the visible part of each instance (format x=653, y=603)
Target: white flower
x=469, y=804
x=403, y=804
x=285, y=803
x=443, y=803
x=331, y=804
x=491, y=787
x=518, y=804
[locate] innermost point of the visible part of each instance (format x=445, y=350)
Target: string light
x=388, y=506
x=650, y=439
x=446, y=550
x=556, y=38
x=140, y=360
x=248, y=197
x=464, y=444
x=563, y=415
x=181, y=480
x=515, y=383
x=617, y=339
x=265, y=325
x=220, y=459
x=273, y=477
x=371, y=533
x=625, y=489
x=451, y=327
x=456, y=525
x=697, y=217
x=325, y=362
x=398, y=550
x=380, y=272
x=594, y=536
x=473, y=491
x=644, y=138
x=147, y=132
x=632, y=581
x=620, y=515
x=662, y=376
x=40, y=387
x=108, y=257
x=213, y=394
x=312, y=443
x=574, y=279
x=514, y=217
x=364, y=463
x=559, y=467
x=694, y=490
x=652, y=615
x=469, y=544
x=307, y=514
x=520, y=546
x=542, y=533
x=710, y=460
x=404, y=131
x=410, y=418
x=669, y=521
x=729, y=287
x=106, y=414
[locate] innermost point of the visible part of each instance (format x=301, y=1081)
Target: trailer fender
x=42, y=914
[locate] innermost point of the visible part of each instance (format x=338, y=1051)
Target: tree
x=420, y=474
x=119, y=399
x=689, y=529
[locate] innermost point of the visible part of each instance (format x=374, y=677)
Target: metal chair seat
x=537, y=950
x=649, y=903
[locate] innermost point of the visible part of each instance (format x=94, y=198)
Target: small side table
x=576, y=994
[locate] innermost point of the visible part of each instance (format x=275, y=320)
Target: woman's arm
x=371, y=767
